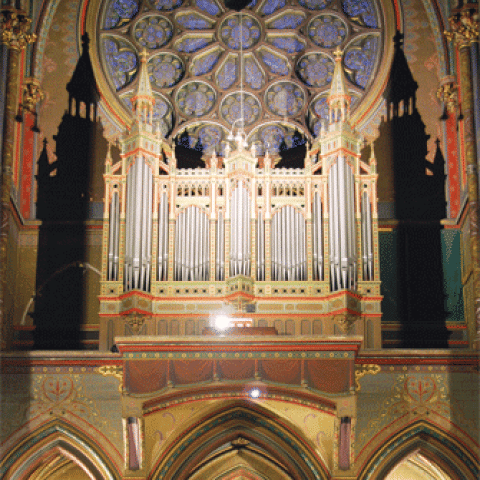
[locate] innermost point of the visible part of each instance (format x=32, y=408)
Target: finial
x=85, y=41
x=398, y=39
x=338, y=54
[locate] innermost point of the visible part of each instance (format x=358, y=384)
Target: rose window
x=267, y=68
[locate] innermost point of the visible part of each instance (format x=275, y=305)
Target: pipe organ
x=295, y=248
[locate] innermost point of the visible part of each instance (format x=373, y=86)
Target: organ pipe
x=163, y=237
x=342, y=226
x=288, y=245
x=138, y=227
x=220, y=248
x=192, y=245
x=317, y=239
x=260, y=247
x=113, y=243
x=367, y=244
x=240, y=232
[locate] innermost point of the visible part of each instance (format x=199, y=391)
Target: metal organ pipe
x=220, y=248
x=288, y=245
x=342, y=226
x=240, y=232
x=317, y=238
x=192, y=245
x=367, y=244
x=260, y=247
x=138, y=227
x=163, y=237
x=113, y=242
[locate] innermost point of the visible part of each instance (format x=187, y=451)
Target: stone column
x=464, y=32
x=14, y=25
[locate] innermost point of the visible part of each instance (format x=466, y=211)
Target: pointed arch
x=433, y=443
x=244, y=427
x=56, y=443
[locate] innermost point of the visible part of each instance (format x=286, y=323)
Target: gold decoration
x=240, y=442
x=345, y=321
x=14, y=25
x=464, y=26
x=32, y=94
x=135, y=321
x=447, y=93
x=112, y=370
x=365, y=369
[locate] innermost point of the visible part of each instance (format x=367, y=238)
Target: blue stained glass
x=189, y=45
x=285, y=99
x=253, y=74
x=287, y=21
x=315, y=4
x=210, y=136
x=231, y=108
x=272, y=137
x=208, y=6
x=361, y=12
x=195, y=99
x=165, y=70
x=315, y=70
x=153, y=32
x=360, y=60
x=121, y=61
x=227, y=74
x=275, y=64
x=166, y=4
x=205, y=63
x=271, y=6
x=327, y=31
x=290, y=45
x=120, y=12
x=193, y=21
x=236, y=35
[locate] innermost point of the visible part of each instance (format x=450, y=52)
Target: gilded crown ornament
x=464, y=27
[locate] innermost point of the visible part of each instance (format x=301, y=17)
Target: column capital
x=464, y=26
x=14, y=25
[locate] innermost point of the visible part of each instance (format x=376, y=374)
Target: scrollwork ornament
x=14, y=26
x=464, y=27
x=365, y=369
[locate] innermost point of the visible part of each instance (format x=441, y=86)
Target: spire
x=82, y=86
x=338, y=99
x=143, y=101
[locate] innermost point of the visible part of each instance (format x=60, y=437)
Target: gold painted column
x=14, y=25
x=464, y=32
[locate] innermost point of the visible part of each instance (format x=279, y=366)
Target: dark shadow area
x=292, y=156
x=186, y=156
x=419, y=205
x=65, y=189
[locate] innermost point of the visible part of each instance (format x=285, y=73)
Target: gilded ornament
x=135, y=322
x=365, y=369
x=112, y=370
x=14, y=25
x=32, y=93
x=345, y=321
x=464, y=27
x=447, y=93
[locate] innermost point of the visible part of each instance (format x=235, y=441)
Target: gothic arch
x=248, y=429
x=52, y=446
x=434, y=444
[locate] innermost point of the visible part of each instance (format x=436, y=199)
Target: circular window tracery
x=281, y=55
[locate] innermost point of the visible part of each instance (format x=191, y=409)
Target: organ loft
x=292, y=249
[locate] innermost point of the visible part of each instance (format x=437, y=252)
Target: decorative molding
x=365, y=369
x=32, y=93
x=14, y=25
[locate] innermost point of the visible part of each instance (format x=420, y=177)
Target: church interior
x=239, y=240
